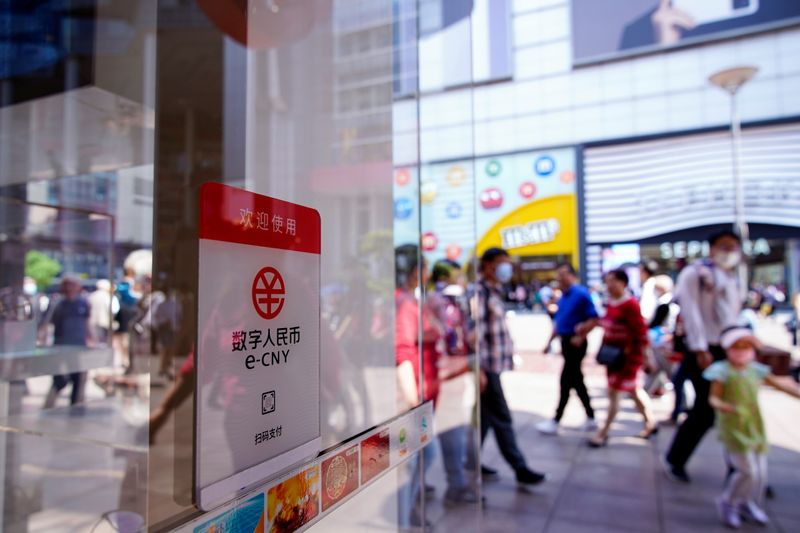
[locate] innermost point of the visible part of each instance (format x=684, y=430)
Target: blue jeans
x=408, y=494
x=454, y=453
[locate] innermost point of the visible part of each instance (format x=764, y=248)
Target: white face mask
x=29, y=289
x=504, y=272
x=728, y=260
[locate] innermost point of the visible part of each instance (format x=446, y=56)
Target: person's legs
x=59, y=382
x=486, y=414
x=739, y=487
x=760, y=487
x=78, y=380
x=659, y=376
x=644, y=406
x=567, y=376
x=699, y=421
x=495, y=413
x=678, y=381
x=453, y=443
x=182, y=389
x=749, y=507
x=408, y=494
x=166, y=348
x=613, y=409
x=572, y=377
x=579, y=384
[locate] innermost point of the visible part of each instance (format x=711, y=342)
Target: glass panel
x=311, y=102
x=76, y=188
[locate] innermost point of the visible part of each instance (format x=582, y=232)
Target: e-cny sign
x=258, y=313
x=268, y=293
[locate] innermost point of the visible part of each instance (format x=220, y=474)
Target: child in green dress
x=734, y=395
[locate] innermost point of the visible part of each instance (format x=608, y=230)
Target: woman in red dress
x=624, y=327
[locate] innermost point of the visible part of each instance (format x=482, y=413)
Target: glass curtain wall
x=77, y=90
x=113, y=117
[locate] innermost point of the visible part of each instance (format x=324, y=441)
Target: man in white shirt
x=710, y=299
x=103, y=306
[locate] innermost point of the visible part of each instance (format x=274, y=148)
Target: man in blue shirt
x=574, y=307
x=71, y=328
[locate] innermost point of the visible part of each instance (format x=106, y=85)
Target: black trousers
x=61, y=381
x=496, y=415
x=700, y=418
x=572, y=376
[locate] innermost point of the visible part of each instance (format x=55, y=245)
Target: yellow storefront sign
x=542, y=227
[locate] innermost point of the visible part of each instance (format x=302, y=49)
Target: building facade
x=583, y=79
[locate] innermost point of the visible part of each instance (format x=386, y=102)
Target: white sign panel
x=258, y=362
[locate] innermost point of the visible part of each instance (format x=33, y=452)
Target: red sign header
x=231, y=214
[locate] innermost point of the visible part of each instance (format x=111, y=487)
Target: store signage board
x=258, y=354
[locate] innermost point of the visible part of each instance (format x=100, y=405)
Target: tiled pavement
x=620, y=487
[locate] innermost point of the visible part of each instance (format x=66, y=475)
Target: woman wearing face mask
x=624, y=328
x=734, y=395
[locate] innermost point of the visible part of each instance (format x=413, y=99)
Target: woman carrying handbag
x=623, y=355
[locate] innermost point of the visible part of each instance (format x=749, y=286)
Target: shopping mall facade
x=338, y=130
x=633, y=134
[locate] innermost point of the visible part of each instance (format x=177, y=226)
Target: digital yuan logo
x=268, y=293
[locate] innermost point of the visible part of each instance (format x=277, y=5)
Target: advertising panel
x=608, y=29
x=524, y=202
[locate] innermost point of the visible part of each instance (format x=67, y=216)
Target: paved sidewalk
x=620, y=487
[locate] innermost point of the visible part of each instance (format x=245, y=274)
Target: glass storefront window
x=113, y=115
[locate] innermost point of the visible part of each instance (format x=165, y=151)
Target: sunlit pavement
x=620, y=487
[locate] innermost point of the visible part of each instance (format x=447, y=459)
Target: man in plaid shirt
x=496, y=351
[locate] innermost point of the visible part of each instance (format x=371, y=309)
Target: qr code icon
x=268, y=402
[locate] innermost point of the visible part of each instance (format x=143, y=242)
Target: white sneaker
x=728, y=514
x=590, y=425
x=753, y=513
x=547, y=427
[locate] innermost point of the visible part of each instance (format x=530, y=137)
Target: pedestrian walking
x=648, y=299
x=710, y=299
x=734, y=395
x=444, y=306
x=626, y=335
x=575, y=307
x=496, y=352
x=660, y=330
x=70, y=321
x=103, y=305
x=417, y=355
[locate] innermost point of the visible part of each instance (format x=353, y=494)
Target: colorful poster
x=294, y=502
x=374, y=455
x=524, y=202
x=339, y=477
x=247, y=517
